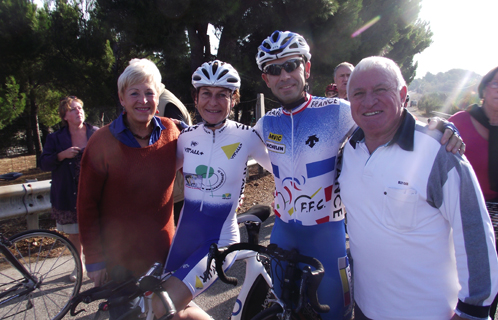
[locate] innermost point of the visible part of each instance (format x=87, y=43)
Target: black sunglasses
x=288, y=66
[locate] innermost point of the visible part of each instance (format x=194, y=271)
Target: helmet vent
x=294, y=46
x=206, y=73
x=232, y=80
x=222, y=74
x=286, y=39
x=275, y=36
x=267, y=45
x=215, y=67
x=196, y=78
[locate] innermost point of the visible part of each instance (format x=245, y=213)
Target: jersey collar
x=298, y=108
x=404, y=136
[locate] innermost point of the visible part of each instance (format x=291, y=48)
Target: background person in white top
x=420, y=236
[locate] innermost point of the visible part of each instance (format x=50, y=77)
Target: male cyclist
x=303, y=138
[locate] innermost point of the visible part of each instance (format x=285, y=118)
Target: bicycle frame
x=30, y=283
x=254, y=269
x=309, y=280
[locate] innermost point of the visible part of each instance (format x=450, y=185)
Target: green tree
x=12, y=102
x=50, y=53
x=432, y=102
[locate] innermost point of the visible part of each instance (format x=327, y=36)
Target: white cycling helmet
x=216, y=74
x=281, y=44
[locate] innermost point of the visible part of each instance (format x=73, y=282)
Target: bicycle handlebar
x=149, y=282
x=313, y=277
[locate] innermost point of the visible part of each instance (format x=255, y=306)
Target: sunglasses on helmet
x=288, y=66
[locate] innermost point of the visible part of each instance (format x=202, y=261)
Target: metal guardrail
x=27, y=199
x=31, y=199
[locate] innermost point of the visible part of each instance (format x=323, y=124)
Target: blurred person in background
x=62, y=155
x=331, y=91
x=341, y=76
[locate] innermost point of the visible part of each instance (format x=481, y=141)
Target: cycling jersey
x=214, y=169
x=303, y=146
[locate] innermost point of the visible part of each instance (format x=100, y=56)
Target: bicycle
x=251, y=297
x=34, y=275
x=297, y=301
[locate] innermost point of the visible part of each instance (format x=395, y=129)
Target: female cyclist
x=214, y=156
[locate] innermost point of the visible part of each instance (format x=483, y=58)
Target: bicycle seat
x=257, y=213
x=10, y=176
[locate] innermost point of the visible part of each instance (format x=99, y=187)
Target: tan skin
x=75, y=118
x=213, y=104
x=140, y=103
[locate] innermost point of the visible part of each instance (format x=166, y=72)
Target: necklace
x=146, y=137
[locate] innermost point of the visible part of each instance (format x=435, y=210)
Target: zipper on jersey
x=208, y=167
x=292, y=162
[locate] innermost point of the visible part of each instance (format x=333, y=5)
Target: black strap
x=478, y=113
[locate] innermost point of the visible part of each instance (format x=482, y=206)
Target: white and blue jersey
x=214, y=170
x=303, y=146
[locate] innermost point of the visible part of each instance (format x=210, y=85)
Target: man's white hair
x=381, y=63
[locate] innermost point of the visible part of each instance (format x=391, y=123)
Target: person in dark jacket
x=62, y=155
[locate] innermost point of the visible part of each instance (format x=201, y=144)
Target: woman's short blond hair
x=139, y=71
x=65, y=106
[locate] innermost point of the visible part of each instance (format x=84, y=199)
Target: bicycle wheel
x=51, y=259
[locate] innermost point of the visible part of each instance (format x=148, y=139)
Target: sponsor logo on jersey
x=312, y=140
x=403, y=183
x=192, y=128
x=194, y=151
x=242, y=126
x=275, y=137
x=275, y=147
x=212, y=179
x=231, y=150
x=226, y=196
x=193, y=180
x=193, y=143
